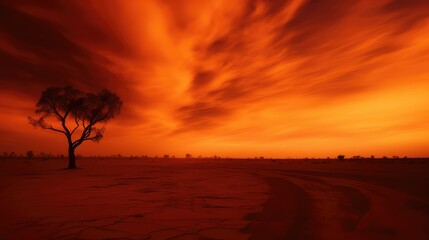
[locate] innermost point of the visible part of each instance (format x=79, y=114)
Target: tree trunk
x=72, y=159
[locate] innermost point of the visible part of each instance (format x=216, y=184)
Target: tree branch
x=56, y=111
x=54, y=129
x=63, y=123
x=43, y=124
x=77, y=125
x=86, y=133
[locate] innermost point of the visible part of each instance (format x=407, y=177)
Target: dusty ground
x=214, y=199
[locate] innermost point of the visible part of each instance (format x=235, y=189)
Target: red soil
x=213, y=199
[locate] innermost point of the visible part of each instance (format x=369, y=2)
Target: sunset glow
x=230, y=78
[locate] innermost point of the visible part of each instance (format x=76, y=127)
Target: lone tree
x=76, y=113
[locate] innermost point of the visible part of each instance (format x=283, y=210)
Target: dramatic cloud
x=238, y=78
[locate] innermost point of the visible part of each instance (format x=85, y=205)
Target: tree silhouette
x=30, y=154
x=83, y=111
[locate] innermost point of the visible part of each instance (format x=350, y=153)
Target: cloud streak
x=208, y=70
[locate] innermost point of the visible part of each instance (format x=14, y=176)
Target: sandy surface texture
x=214, y=199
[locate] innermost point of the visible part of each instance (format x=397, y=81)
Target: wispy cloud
x=218, y=69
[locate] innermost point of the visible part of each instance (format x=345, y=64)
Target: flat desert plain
x=214, y=199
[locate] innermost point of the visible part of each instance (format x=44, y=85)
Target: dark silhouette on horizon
x=30, y=154
x=83, y=110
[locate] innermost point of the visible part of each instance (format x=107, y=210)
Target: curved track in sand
x=326, y=205
x=214, y=199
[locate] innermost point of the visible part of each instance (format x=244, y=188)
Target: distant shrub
x=30, y=154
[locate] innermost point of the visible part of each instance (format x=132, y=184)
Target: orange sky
x=232, y=78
